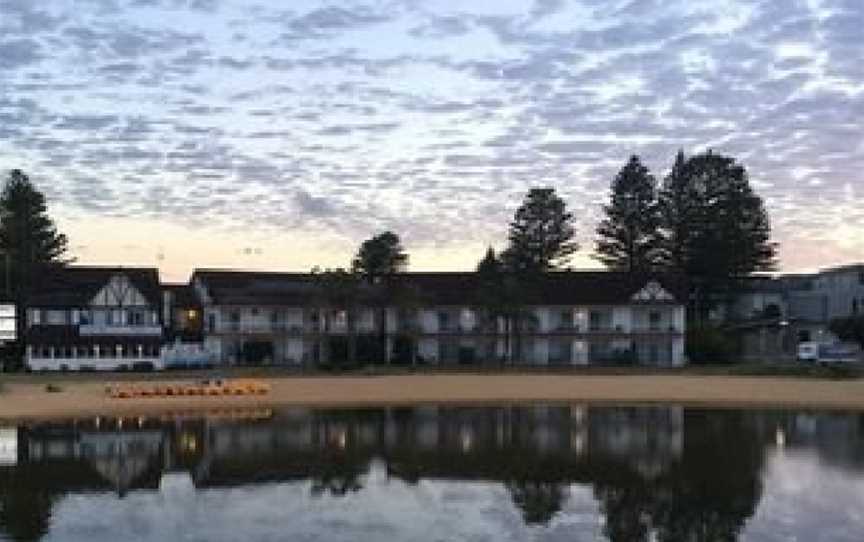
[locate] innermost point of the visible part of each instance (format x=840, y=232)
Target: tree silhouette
x=628, y=237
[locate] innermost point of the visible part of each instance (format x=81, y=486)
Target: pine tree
x=29, y=241
x=715, y=227
x=678, y=206
x=28, y=235
x=628, y=236
x=541, y=234
x=490, y=265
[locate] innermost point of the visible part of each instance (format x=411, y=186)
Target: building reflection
x=661, y=473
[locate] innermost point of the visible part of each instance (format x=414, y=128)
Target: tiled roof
x=75, y=286
x=440, y=288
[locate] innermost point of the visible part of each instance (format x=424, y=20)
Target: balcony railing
x=107, y=329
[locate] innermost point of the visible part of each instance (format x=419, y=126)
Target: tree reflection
x=708, y=495
x=538, y=501
x=337, y=480
x=25, y=506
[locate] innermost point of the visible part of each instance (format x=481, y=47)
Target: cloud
x=441, y=27
x=16, y=53
x=429, y=117
x=326, y=21
x=312, y=205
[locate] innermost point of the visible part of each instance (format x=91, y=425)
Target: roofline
x=234, y=271
x=842, y=268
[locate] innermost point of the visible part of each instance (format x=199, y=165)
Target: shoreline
x=79, y=397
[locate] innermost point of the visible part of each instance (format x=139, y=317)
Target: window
x=654, y=318
x=855, y=307
x=35, y=317
x=340, y=319
x=595, y=320
x=211, y=322
x=566, y=320
x=443, y=320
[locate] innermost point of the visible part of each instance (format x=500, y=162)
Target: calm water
x=439, y=473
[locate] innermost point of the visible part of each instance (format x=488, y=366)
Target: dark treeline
x=703, y=221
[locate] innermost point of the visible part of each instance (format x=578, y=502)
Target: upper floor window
x=136, y=318
x=654, y=319
x=443, y=320
x=340, y=318
x=234, y=317
x=595, y=320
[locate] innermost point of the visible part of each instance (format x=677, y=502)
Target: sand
x=86, y=397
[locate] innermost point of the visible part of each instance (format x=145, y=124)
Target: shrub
x=709, y=344
x=53, y=388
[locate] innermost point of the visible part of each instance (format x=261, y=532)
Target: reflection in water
x=655, y=473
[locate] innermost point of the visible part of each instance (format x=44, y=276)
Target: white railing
x=38, y=363
x=105, y=329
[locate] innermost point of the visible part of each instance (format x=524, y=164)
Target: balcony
x=91, y=330
x=656, y=328
x=260, y=328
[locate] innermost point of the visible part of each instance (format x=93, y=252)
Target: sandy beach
x=86, y=397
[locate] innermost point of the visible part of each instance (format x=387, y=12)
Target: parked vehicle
x=813, y=352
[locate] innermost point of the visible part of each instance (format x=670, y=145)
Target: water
x=438, y=473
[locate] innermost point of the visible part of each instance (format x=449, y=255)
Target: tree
x=377, y=260
x=541, y=234
x=29, y=240
x=629, y=235
x=381, y=255
x=490, y=265
x=678, y=204
x=849, y=329
x=494, y=297
x=336, y=292
x=715, y=227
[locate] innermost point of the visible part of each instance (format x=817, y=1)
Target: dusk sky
x=280, y=134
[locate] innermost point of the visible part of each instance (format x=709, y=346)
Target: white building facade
x=93, y=318
x=575, y=318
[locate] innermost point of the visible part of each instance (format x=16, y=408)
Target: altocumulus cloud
x=431, y=118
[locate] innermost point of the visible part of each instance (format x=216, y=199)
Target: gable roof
x=231, y=287
x=75, y=286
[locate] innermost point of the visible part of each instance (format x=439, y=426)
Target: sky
x=279, y=135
